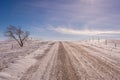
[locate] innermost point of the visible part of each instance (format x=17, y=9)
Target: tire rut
x=69, y=61
x=116, y=59
x=65, y=67
x=35, y=67
x=99, y=65
x=84, y=69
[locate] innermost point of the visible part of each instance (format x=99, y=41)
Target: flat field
x=60, y=60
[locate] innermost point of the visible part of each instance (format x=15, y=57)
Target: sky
x=62, y=19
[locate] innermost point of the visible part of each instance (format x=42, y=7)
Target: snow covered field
x=60, y=60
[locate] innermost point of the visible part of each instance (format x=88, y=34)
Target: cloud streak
x=79, y=17
x=84, y=32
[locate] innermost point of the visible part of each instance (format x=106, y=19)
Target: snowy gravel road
x=63, y=60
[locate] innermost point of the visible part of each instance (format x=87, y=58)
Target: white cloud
x=83, y=32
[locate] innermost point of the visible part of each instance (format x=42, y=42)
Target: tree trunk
x=21, y=44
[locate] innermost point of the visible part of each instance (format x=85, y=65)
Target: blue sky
x=62, y=19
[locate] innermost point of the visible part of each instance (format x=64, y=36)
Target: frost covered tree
x=17, y=34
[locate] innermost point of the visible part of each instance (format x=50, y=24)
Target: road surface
x=64, y=60
x=69, y=61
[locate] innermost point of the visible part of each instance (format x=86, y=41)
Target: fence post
x=12, y=46
x=115, y=45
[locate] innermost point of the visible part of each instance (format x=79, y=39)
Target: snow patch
x=16, y=70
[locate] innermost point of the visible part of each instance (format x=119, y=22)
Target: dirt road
x=72, y=61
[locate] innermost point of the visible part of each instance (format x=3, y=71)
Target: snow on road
x=96, y=66
x=63, y=60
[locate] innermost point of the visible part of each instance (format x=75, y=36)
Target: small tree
x=17, y=34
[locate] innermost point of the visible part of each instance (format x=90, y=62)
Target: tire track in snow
x=69, y=61
x=109, y=60
x=57, y=67
x=115, y=56
x=35, y=67
x=84, y=69
x=105, y=69
x=66, y=69
x=46, y=75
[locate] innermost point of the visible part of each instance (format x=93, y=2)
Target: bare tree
x=17, y=34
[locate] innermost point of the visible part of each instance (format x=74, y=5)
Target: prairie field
x=60, y=60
